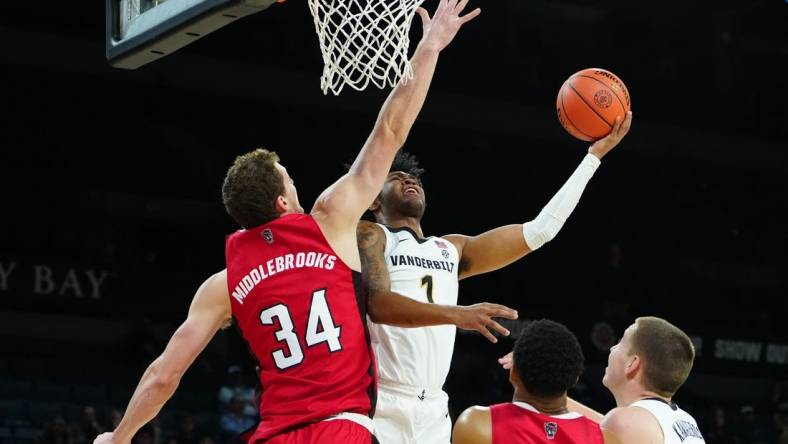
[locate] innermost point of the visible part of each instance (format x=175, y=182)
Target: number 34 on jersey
x=320, y=328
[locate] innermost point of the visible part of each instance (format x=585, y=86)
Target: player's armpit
x=474, y=426
x=489, y=251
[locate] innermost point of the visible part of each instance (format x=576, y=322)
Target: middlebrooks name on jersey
x=279, y=264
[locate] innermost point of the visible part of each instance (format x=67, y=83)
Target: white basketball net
x=363, y=41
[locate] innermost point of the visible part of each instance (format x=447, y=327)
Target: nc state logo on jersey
x=550, y=429
x=268, y=235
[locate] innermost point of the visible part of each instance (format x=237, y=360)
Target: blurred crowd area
x=61, y=413
x=58, y=401
x=221, y=414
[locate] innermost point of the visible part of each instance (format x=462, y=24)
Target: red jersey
x=302, y=312
x=519, y=423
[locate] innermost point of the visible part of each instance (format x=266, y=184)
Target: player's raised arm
x=343, y=203
x=501, y=246
x=209, y=311
x=387, y=307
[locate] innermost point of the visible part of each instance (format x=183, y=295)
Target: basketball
x=589, y=102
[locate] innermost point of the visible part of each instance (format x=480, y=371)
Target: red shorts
x=337, y=431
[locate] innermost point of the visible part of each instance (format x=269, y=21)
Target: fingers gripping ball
x=589, y=101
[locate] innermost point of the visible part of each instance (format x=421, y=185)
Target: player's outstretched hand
x=443, y=26
x=479, y=317
x=507, y=361
x=104, y=438
x=605, y=144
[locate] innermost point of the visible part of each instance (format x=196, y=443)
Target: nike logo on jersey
x=401, y=260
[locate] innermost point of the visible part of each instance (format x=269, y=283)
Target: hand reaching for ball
x=607, y=143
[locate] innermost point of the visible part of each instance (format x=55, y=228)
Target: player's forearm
x=394, y=122
x=146, y=402
x=581, y=409
x=553, y=216
x=406, y=100
x=387, y=307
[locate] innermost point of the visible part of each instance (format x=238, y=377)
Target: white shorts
x=412, y=415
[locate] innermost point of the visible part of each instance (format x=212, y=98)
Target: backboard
x=141, y=31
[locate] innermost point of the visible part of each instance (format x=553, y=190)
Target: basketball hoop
x=363, y=41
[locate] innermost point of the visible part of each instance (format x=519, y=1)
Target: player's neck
x=547, y=406
x=636, y=393
x=402, y=222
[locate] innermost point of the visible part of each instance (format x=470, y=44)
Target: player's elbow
x=382, y=308
x=163, y=379
x=540, y=231
x=375, y=311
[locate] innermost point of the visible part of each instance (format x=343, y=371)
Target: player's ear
x=282, y=205
x=633, y=366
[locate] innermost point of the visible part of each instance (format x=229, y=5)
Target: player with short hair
x=292, y=282
x=548, y=361
x=396, y=256
x=645, y=370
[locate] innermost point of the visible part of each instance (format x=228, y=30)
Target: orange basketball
x=589, y=101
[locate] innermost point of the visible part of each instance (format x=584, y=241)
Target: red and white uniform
x=521, y=423
x=302, y=312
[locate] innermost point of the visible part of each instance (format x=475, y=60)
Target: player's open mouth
x=411, y=191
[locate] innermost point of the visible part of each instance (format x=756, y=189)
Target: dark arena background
x=112, y=215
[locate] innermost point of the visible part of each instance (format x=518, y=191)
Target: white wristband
x=552, y=217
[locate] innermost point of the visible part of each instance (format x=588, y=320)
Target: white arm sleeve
x=546, y=225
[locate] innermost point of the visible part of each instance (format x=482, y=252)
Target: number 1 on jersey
x=319, y=318
x=427, y=280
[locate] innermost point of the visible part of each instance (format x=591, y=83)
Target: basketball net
x=363, y=41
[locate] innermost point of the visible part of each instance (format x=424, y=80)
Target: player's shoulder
x=458, y=241
x=476, y=412
x=473, y=426
x=367, y=226
x=632, y=424
x=369, y=234
x=218, y=280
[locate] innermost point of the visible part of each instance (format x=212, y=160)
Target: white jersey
x=678, y=427
x=424, y=270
